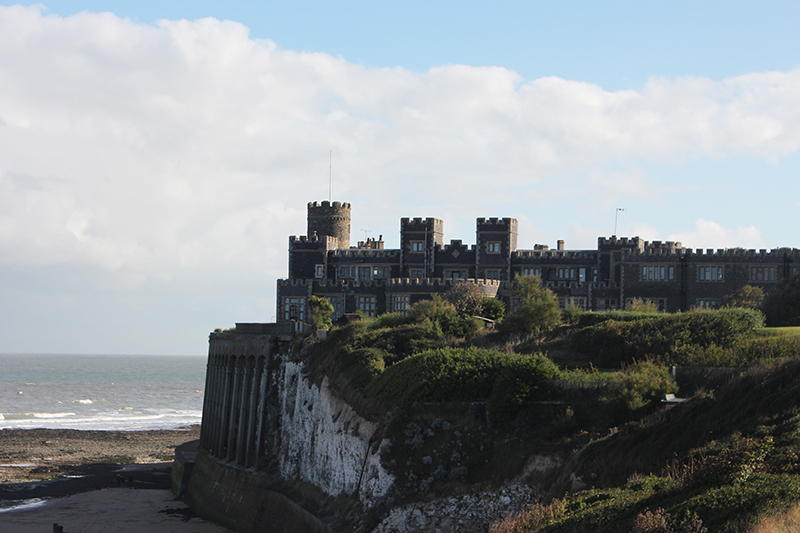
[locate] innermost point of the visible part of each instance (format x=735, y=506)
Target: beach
x=92, y=481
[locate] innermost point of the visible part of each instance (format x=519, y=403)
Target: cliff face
x=324, y=442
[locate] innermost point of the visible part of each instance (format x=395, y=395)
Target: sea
x=101, y=392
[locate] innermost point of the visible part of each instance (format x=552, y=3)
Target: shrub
x=638, y=305
x=518, y=383
x=748, y=297
x=538, y=310
x=455, y=374
x=660, y=521
x=466, y=297
x=493, y=309
x=571, y=314
x=320, y=311
x=591, y=318
x=665, y=336
x=640, y=385
x=782, y=305
x=443, y=315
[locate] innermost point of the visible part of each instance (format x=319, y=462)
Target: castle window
x=455, y=274
x=763, y=274
x=417, y=246
x=671, y=273
x=707, y=303
x=368, y=304
x=294, y=309
x=380, y=272
x=319, y=271
x=654, y=272
x=400, y=303
x=710, y=273
x=493, y=247
x=492, y=274
x=347, y=272
x=416, y=273
x=581, y=275
x=532, y=272
x=364, y=273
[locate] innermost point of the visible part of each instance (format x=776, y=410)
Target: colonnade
x=235, y=413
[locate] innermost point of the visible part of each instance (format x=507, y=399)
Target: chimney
x=560, y=244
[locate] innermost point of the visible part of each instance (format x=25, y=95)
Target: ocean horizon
x=101, y=392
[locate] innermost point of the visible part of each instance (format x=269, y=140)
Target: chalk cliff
x=323, y=441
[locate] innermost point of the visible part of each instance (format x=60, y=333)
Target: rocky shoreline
x=57, y=462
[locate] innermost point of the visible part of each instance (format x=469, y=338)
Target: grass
x=787, y=331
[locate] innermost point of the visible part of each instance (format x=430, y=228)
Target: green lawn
x=789, y=331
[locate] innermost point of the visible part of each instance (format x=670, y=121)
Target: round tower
x=330, y=219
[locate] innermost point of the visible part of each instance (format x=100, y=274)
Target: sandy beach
x=72, y=478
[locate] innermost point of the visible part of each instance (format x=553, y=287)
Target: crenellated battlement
x=361, y=253
x=777, y=253
x=557, y=254
x=327, y=204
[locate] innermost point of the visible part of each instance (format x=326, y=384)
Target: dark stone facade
x=369, y=278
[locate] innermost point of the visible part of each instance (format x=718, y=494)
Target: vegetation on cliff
x=464, y=404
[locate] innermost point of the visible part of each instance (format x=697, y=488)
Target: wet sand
x=72, y=478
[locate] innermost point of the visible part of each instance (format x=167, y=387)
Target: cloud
x=189, y=150
x=709, y=234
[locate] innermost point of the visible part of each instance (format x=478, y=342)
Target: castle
x=375, y=280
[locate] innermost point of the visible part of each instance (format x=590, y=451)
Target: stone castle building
x=369, y=278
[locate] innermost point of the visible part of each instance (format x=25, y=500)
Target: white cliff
x=325, y=442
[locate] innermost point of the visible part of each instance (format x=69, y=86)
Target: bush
x=466, y=297
x=454, y=374
x=443, y=315
x=665, y=336
x=591, y=318
x=320, y=311
x=640, y=386
x=748, y=297
x=571, y=314
x=493, y=309
x=782, y=305
x=517, y=384
x=638, y=305
x=538, y=310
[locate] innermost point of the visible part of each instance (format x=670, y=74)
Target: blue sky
x=154, y=157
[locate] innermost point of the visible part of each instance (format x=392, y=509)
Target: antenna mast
x=616, y=214
x=330, y=178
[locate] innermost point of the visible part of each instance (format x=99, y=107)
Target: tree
x=782, y=305
x=493, y=309
x=466, y=297
x=748, y=297
x=320, y=311
x=538, y=309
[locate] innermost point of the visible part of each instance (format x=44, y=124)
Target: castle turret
x=329, y=219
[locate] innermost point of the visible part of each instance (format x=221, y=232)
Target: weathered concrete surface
x=244, y=501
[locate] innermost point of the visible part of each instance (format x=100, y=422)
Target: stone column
x=232, y=421
x=223, y=408
x=262, y=408
x=251, y=416
x=205, y=426
x=215, y=394
x=242, y=416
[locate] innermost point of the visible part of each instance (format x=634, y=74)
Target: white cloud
x=709, y=234
x=188, y=149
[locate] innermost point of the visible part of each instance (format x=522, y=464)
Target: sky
x=156, y=156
